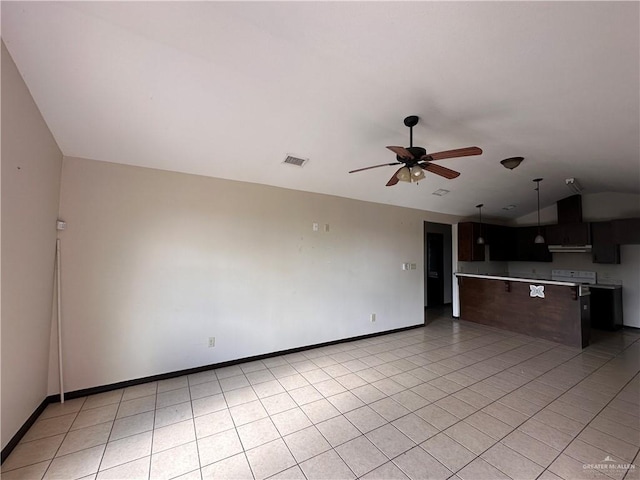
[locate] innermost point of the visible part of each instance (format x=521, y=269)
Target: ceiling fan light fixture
x=416, y=160
x=404, y=175
x=511, y=162
x=417, y=173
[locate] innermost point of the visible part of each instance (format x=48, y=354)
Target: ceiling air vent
x=298, y=162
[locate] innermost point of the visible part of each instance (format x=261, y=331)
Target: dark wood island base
x=556, y=311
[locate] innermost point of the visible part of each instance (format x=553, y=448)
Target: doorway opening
x=438, y=274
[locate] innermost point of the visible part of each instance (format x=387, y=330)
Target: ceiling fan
x=416, y=159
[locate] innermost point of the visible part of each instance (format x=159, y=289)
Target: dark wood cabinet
x=626, y=231
x=502, y=243
x=604, y=249
x=517, y=243
x=570, y=209
x=505, y=243
x=468, y=248
x=568, y=234
x=529, y=251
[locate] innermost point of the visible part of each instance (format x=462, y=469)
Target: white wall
x=31, y=165
x=487, y=266
x=155, y=262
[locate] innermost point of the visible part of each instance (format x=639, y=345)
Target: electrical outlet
x=212, y=342
x=372, y=317
x=315, y=227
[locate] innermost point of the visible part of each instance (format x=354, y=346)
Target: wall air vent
x=298, y=162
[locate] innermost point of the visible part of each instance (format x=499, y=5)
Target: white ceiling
x=228, y=89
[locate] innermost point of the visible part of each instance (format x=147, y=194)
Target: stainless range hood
x=570, y=248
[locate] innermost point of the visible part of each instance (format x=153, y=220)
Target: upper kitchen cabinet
x=502, y=243
x=605, y=249
x=529, y=251
x=626, y=231
x=468, y=248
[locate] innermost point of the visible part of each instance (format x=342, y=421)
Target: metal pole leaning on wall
x=59, y=305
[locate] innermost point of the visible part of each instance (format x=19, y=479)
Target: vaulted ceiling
x=229, y=89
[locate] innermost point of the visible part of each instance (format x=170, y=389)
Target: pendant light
x=480, y=239
x=539, y=238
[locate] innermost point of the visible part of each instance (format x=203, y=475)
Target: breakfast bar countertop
x=516, y=279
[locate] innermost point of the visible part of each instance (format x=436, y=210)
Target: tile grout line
x=508, y=393
x=551, y=347
x=153, y=429
x=516, y=428
x=400, y=341
x=411, y=412
x=195, y=433
x=63, y=439
x=589, y=423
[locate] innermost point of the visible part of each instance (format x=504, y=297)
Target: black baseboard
x=164, y=376
x=24, y=429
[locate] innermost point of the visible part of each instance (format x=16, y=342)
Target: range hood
x=572, y=235
x=570, y=248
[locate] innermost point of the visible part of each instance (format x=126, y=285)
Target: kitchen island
x=552, y=310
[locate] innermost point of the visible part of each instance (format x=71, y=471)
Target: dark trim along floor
x=163, y=376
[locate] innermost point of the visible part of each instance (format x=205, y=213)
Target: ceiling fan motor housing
x=417, y=152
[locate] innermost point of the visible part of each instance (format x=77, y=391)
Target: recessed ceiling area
x=229, y=89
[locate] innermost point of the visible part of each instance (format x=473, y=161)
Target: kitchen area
x=586, y=275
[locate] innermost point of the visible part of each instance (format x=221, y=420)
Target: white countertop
x=517, y=279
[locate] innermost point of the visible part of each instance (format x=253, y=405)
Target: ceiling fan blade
x=402, y=152
x=375, y=166
x=458, y=152
x=393, y=180
x=440, y=170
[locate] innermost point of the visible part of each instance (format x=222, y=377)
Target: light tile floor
x=449, y=400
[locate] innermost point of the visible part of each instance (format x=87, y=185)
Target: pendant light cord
x=539, y=238
x=538, y=189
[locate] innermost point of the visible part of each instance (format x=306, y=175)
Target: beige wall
x=156, y=262
x=31, y=165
